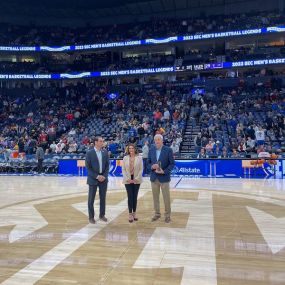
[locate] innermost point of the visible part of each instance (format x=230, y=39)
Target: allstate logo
x=186, y=170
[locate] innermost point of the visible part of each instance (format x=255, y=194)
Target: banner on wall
x=231, y=168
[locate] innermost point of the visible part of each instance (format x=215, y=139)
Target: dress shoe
x=167, y=220
x=155, y=218
x=135, y=217
x=131, y=218
x=104, y=219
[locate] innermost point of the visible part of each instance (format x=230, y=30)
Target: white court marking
x=192, y=248
x=271, y=228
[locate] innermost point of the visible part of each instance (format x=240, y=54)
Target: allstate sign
x=189, y=167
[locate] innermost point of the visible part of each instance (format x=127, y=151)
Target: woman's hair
x=127, y=152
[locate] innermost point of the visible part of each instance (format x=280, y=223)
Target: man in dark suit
x=97, y=164
x=161, y=163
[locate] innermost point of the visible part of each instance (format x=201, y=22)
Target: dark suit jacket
x=167, y=163
x=93, y=168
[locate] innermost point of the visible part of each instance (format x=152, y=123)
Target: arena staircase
x=187, y=147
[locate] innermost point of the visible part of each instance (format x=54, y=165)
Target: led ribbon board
x=193, y=37
x=193, y=67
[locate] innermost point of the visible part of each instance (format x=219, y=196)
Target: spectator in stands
x=70, y=117
x=235, y=154
x=140, y=131
x=250, y=144
x=72, y=132
x=262, y=152
x=157, y=115
x=40, y=158
x=260, y=135
x=179, y=138
x=43, y=140
x=176, y=115
x=166, y=115
x=110, y=154
x=242, y=146
x=132, y=140
x=86, y=140
x=225, y=153
x=198, y=142
x=175, y=148
x=146, y=138
x=7, y=153
x=202, y=153
x=160, y=131
x=113, y=147
x=72, y=147
x=32, y=143
x=145, y=151
x=53, y=147
x=250, y=132
x=77, y=114
x=21, y=145
x=60, y=147
x=132, y=132
x=209, y=147
x=51, y=133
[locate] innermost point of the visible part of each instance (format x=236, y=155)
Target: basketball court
x=223, y=231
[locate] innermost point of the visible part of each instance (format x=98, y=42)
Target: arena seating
x=37, y=35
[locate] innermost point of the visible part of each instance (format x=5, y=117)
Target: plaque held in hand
x=159, y=166
x=159, y=169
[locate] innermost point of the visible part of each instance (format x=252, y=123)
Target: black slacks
x=132, y=191
x=40, y=165
x=91, y=198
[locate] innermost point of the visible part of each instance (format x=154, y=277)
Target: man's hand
x=135, y=181
x=160, y=171
x=101, y=178
x=155, y=166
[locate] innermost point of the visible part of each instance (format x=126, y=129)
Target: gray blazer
x=93, y=168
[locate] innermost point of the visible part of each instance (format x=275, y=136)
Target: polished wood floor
x=223, y=232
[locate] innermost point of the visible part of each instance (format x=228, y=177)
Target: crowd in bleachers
x=37, y=35
x=245, y=120
x=233, y=122
x=31, y=117
x=65, y=120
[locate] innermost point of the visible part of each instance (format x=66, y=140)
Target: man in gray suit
x=97, y=164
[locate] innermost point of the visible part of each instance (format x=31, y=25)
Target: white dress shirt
x=99, y=155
